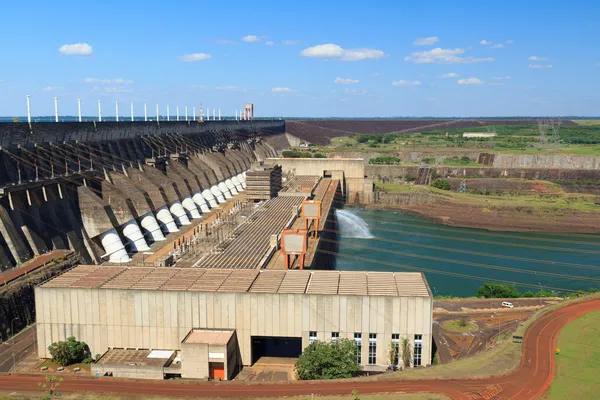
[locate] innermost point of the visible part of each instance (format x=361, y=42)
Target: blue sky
x=350, y=58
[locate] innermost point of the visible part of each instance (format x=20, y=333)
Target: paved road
x=24, y=342
x=529, y=381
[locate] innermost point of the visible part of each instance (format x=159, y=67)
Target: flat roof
x=360, y=283
x=147, y=358
x=204, y=336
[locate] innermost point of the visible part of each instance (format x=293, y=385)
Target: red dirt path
x=529, y=381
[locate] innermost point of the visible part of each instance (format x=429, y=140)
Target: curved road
x=529, y=381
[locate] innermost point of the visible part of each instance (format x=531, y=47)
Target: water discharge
x=352, y=226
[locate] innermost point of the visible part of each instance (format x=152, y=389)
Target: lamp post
x=541, y=290
x=12, y=331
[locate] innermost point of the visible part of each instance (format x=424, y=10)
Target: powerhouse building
x=211, y=322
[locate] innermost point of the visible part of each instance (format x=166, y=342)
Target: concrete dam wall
x=108, y=189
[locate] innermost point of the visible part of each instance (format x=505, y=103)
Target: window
x=335, y=336
x=396, y=344
x=418, y=349
x=372, y=348
x=312, y=337
x=358, y=343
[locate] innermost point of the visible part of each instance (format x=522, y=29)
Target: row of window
x=417, y=351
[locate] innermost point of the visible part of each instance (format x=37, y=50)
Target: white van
x=507, y=304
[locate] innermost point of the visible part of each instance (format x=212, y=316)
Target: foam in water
x=352, y=226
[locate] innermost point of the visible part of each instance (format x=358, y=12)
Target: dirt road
x=529, y=381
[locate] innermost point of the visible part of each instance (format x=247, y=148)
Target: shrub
x=441, y=184
x=88, y=360
x=319, y=155
x=387, y=160
x=410, y=178
x=463, y=322
x=328, y=360
x=69, y=351
x=497, y=291
x=428, y=160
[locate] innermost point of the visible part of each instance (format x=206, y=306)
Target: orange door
x=217, y=371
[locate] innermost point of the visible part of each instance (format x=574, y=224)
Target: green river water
x=456, y=261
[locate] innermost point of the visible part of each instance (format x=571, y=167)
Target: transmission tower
x=555, y=124
x=543, y=131
x=463, y=186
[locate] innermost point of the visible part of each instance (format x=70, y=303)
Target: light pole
x=541, y=290
x=12, y=331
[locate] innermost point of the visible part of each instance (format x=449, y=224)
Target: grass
x=455, y=326
x=587, y=122
x=578, y=364
x=399, y=188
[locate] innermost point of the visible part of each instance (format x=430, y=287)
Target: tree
x=393, y=354
x=328, y=360
x=406, y=353
x=69, y=351
x=441, y=184
x=50, y=384
x=497, y=291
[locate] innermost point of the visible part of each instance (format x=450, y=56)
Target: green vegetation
x=503, y=291
x=50, y=385
x=406, y=353
x=460, y=325
x=578, y=363
x=456, y=161
x=441, y=184
x=587, y=122
x=388, y=160
x=69, y=351
x=301, y=154
x=386, y=138
x=400, y=187
x=328, y=360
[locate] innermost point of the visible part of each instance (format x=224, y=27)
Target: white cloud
x=270, y=43
x=540, y=66
x=194, y=57
x=49, y=88
x=509, y=41
x=225, y=41
x=76, y=49
x=426, y=41
x=536, y=58
x=117, y=89
x=362, y=92
x=251, y=39
x=501, y=78
x=345, y=81
x=333, y=51
x=108, y=81
x=377, y=73
x=406, y=83
x=443, y=56
x=199, y=87
x=290, y=42
x=485, y=43
x=231, y=88
x=450, y=75
x=471, y=81
x=282, y=90
x=498, y=46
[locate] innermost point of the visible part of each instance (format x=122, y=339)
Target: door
x=217, y=371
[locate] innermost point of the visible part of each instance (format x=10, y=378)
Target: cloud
x=291, y=42
x=49, y=88
x=450, y=75
x=345, y=81
x=498, y=46
x=231, y=88
x=377, y=73
x=251, y=39
x=443, y=56
x=76, y=49
x=362, y=92
x=471, y=81
x=225, y=41
x=485, y=43
x=426, y=41
x=536, y=58
x=406, y=83
x=539, y=66
x=509, y=41
x=117, y=89
x=282, y=90
x=501, y=78
x=107, y=81
x=333, y=51
x=194, y=57
x=270, y=43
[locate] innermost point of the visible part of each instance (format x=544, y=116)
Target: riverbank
x=514, y=213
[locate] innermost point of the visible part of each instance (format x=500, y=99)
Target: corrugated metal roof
x=359, y=283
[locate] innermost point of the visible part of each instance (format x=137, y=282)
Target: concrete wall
x=161, y=319
x=546, y=161
x=194, y=360
x=129, y=371
x=354, y=170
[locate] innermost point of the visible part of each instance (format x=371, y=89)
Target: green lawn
x=578, y=364
x=587, y=122
x=455, y=326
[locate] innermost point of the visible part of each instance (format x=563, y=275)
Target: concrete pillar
x=11, y=236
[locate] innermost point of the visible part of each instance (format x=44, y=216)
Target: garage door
x=272, y=346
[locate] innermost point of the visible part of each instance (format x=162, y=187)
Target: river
x=456, y=261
